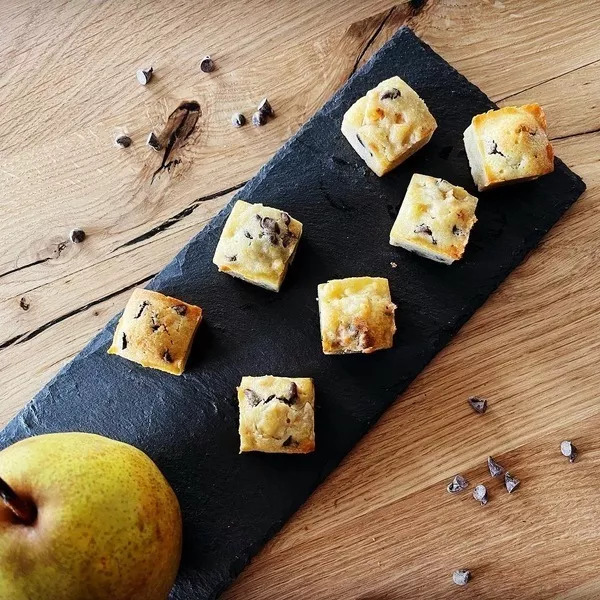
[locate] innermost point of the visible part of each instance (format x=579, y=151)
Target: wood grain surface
x=382, y=527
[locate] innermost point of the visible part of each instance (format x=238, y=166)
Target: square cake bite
x=508, y=145
x=356, y=314
x=277, y=414
x=258, y=244
x=388, y=125
x=435, y=219
x=156, y=331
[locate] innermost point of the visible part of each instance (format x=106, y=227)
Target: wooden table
x=382, y=526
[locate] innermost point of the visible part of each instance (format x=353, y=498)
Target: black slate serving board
x=233, y=504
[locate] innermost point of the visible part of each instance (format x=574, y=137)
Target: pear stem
x=23, y=509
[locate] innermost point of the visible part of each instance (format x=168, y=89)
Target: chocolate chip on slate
x=265, y=108
x=258, y=119
x=510, y=482
x=238, y=120
x=495, y=469
x=180, y=309
x=77, y=236
x=144, y=75
x=252, y=397
x=207, y=65
x=287, y=442
x=458, y=484
x=24, y=303
x=123, y=141
x=479, y=405
x=153, y=142
x=568, y=449
x=391, y=94
x=124, y=342
x=141, y=309
x=480, y=494
x=461, y=577
x=167, y=356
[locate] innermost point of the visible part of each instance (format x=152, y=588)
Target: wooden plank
x=532, y=349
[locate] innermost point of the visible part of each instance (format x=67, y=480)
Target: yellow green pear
x=84, y=517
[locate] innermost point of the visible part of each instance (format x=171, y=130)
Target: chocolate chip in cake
x=141, y=309
x=568, y=449
x=248, y=235
x=461, y=577
x=458, y=484
x=270, y=225
x=123, y=141
x=510, y=482
x=293, y=393
x=480, y=494
x=124, y=342
x=288, y=442
x=252, y=397
x=180, y=309
x=258, y=119
x=144, y=75
x=238, y=120
x=167, y=356
x=207, y=65
x=232, y=258
x=153, y=142
x=265, y=108
x=456, y=230
x=285, y=218
x=77, y=236
x=495, y=469
x=479, y=405
x=363, y=144
x=155, y=326
x=391, y=94
x=493, y=149
x=422, y=228
x=24, y=303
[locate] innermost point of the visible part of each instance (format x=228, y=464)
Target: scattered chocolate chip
x=123, y=141
x=180, y=309
x=480, y=494
x=495, y=469
x=510, y=482
x=153, y=142
x=141, y=309
x=461, y=577
x=167, y=356
x=124, y=342
x=24, y=303
x=207, y=65
x=265, y=108
x=144, y=75
x=77, y=236
x=479, y=405
x=231, y=258
x=568, y=449
x=238, y=120
x=458, y=484
x=248, y=235
x=390, y=94
x=258, y=119
x=285, y=218
x=287, y=442
x=252, y=397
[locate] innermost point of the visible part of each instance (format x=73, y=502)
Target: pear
x=84, y=517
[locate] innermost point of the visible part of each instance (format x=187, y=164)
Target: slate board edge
x=214, y=228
